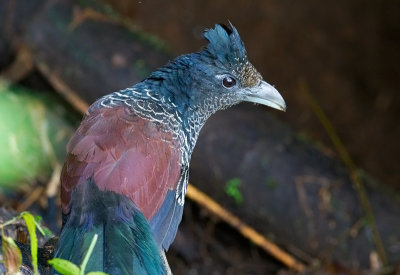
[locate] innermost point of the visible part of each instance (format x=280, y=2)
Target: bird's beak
x=266, y=94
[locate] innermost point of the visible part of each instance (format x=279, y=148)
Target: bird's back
x=130, y=158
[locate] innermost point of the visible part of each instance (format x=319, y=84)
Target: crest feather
x=227, y=48
x=225, y=44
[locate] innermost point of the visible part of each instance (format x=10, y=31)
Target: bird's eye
x=228, y=82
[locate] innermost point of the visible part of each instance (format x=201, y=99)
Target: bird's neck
x=181, y=117
x=168, y=97
x=172, y=89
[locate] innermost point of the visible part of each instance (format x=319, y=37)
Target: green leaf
x=12, y=258
x=38, y=218
x=30, y=224
x=88, y=253
x=47, y=232
x=96, y=273
x=43, y=230
x=64, y=267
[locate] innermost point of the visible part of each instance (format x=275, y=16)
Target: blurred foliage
x=232, y=190
x=33, y=134
x=12, y=256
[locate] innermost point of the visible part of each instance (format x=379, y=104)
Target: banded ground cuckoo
x=126, y=172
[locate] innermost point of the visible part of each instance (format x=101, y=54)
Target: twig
x=354, y=173
x=21, y=66
x=52, y=186
x=63, y=88
x=202, y=199
x=34, y=196
x=81, y=15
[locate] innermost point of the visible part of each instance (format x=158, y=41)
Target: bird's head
x=217, y=77
x=223, y=73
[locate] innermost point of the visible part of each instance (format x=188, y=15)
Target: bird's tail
x=125, y=244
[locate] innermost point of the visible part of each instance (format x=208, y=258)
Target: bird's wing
x=128, y=155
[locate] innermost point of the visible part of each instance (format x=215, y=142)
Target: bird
x=127, y=168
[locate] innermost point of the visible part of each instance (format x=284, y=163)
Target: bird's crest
x=227, y=47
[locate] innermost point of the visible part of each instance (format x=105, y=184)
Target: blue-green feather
x=125, y=243
x=225, y=44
